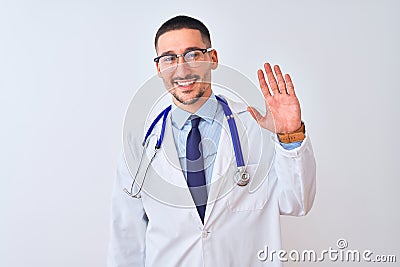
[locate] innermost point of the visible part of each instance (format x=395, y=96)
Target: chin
x=188, y=99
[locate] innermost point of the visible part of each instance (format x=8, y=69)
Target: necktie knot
x=195, y=122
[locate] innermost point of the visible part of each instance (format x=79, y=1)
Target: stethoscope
x=241, y=177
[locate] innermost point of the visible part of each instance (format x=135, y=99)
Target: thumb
x=255, y=113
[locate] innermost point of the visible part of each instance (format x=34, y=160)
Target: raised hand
x=283, y=113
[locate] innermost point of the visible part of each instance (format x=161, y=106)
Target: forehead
x=178, y=40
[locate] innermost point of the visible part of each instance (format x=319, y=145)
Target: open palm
x=283, y=113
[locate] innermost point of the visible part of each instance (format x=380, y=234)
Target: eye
x=192, y=55
x=167, y=59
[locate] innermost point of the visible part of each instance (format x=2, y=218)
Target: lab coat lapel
x=171, y=187
x=222, y=181
x=223, y=171
x=170, y=160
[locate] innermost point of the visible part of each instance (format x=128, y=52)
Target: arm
x=294, y=162
x=296, y=172
x=128, y=224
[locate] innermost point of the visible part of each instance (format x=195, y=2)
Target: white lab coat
x=163, y=228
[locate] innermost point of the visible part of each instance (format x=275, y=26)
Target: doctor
x=222, y=223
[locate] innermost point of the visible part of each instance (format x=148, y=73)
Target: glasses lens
x=193, y=58
x=167, y=60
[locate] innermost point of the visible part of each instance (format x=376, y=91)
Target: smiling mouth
x=185, y=84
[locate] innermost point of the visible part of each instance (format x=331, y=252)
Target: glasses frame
x=205, y=50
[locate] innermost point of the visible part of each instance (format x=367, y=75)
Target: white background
x=68, y=70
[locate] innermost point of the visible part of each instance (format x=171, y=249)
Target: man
x=221, y=223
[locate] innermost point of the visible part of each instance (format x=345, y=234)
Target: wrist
x=295, y=136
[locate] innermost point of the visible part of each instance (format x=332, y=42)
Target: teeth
x=185, y=83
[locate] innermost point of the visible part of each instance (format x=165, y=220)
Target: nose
x=182, y=68
x=179, y=59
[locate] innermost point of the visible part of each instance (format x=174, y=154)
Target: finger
x=281, y=81
x=289, y=84
x=271, y=78
x=263, y=84
x=255, y=114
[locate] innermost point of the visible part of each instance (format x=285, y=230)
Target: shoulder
x=236, y=106
x=239, y=108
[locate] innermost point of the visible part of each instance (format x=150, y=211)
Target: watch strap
x=296, y=136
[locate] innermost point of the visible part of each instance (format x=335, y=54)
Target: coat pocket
x=254, y=195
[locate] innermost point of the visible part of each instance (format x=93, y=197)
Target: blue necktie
x=196, y=178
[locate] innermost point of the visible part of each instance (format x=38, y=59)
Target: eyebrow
x=170, y=52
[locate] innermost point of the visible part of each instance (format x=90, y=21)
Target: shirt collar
x=207, y=112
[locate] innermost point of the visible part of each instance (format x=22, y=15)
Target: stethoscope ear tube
x=165, y=113
x=153, y=124
x=130, y=192
x=137, y=194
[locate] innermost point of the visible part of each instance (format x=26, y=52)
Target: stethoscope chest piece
x=242, y=177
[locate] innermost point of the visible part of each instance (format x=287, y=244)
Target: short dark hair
x=184, y=22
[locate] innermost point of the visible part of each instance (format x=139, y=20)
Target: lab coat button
x=205, y=234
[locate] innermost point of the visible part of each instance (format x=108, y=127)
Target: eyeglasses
x=192, y=57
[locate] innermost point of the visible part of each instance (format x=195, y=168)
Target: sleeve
x=296, y=172
x=128, y=224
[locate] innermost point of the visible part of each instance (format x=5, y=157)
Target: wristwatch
x=295, y=136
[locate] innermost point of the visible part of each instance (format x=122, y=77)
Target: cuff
x=290, y=146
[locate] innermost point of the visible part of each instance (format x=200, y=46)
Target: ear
x=158, y=70
x=214, y=59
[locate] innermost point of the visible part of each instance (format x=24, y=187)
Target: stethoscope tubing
x=234, y=133
x=241, y=181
